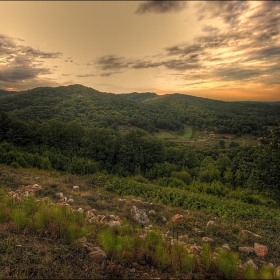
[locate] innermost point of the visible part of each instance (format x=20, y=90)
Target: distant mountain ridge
x=147, y=111
x=256, y=102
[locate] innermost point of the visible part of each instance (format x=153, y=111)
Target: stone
x=114, y=224
x=164, y=220
x=82, y=240
x=226, y=246
x=247, y=250
x=59, y=195
x=248, y=233
x=70, y=201
x=81, y=210
x=97, y=256
x=271, y=265
x=198, y=231
x=152, y=212
x=207, y=239
x=33, y=188
x=210, y=223
x=76, y=188
x=277, y=271
x=260, y=250
x=177, y=219
x=252, y=264
x=196, y=249
x=183, y=238
x=138, y=215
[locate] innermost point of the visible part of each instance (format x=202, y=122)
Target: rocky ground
x=25, y=254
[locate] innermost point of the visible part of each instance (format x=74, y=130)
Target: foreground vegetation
x=39, y=237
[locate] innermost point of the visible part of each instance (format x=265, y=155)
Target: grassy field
x=197, y=139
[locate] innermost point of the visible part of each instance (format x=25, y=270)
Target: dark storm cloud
x=20, y=62
x=161, y=6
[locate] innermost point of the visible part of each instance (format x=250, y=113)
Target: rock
x=260, y=250
x=76, y=188
x=198, y=231
x=139, y=215
x=246, y=249
x=92, y=220
x=70, y=201
x=132, y=269
x=252, y=264
x=177, y=219
x=207, y=239
x=114, y=224
x=81, y=210
x=90, y=213
x=163, y=219
x=210, y=223
x=111, y=217
x=33, y=188
x=196, y=249
x=277, y=271
x=59, y=195
x=271, y=265
x=152, y=212
x=81, y=241
x=248, y=233
x=97, y=256
x=226, y=246
x=137, y=202
x=183, y=238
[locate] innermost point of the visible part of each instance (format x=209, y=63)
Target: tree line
x=71, y=147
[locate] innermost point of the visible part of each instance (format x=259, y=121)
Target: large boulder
x=139, y=215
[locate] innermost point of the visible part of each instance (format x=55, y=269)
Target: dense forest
x=75, y=129
x=147, y=111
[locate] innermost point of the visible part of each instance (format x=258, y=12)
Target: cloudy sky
x=227, y=50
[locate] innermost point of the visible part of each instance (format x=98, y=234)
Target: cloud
x=229, y=11
x=161, y=6
x=20, y=63
x=111, y=64
x=247, y=51
x=209, y=28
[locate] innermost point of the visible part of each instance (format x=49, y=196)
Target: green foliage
x=227, y=263
x=21, y=218
x=206, y=255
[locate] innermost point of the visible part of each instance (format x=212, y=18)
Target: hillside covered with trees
x=147, y=111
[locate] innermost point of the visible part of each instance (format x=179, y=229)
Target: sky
x=225, y=50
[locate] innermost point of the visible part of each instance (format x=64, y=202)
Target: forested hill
x=148, y=111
